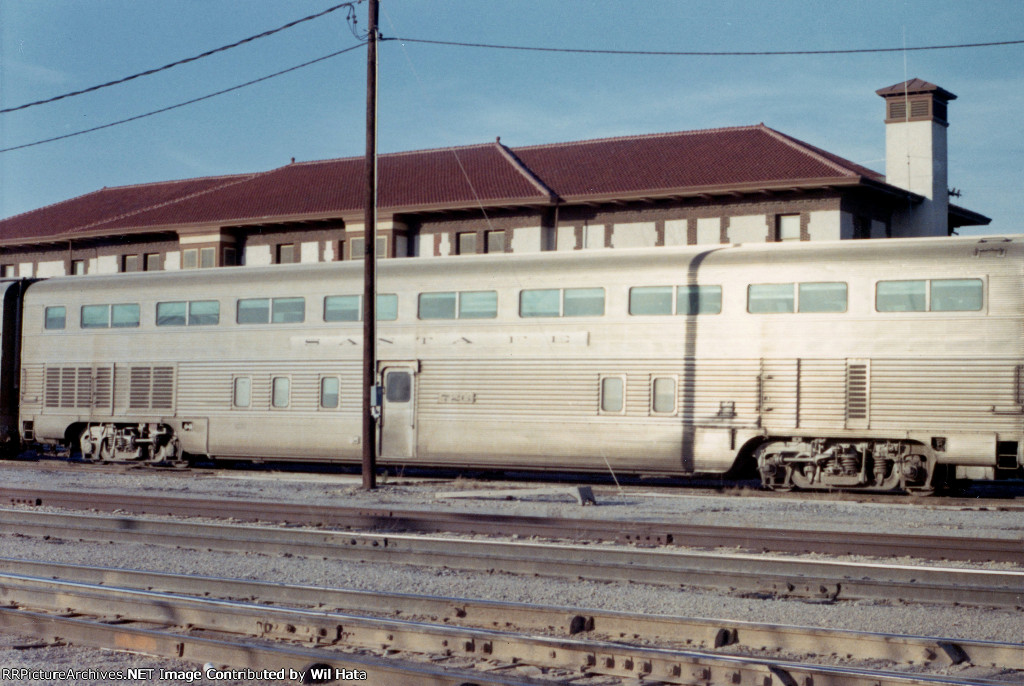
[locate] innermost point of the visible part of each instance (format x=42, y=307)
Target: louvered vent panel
x=163, y=388
x=67, y=387
x=919, y=108
x=140, y=385
x=53, y=387
x=83, y=394
x=857, y=391
x=897, y=109
x=103, y=387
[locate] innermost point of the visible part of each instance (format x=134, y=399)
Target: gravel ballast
x=632, y=503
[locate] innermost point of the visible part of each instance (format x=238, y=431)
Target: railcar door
x=398, y=411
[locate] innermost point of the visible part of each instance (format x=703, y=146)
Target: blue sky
x=436, y=96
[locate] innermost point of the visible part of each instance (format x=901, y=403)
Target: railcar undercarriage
x=822, y=463
x=152, y=443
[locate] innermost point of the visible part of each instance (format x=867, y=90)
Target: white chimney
x=915, y=155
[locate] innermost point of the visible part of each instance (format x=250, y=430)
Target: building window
x=495, y=241
x=861, y=227
x=207, y=258
x=230, y=257
x=153, y=262
x=78, y=267
x=467, y=243
x=286, y=253
x=8, y=271
x=787, y=227
x=190, y=258
x=357, y=246
x=130, y=263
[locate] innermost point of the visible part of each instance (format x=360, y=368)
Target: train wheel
x=87, y=446
x=105, y=452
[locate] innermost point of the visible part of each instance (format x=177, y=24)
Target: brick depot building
x=730, y=185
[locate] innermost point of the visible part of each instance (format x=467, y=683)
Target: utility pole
x=370, y=399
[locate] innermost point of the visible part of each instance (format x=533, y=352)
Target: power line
x=701, y=54
x=351, y=17
x=183, y=104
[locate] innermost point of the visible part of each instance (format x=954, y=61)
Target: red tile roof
x=740, y=158
x=687, y=161
x=102, y=206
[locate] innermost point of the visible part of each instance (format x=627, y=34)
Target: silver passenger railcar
x=868, y=364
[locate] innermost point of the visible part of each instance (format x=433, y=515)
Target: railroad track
x=772, y=576
x=657, y=533
x=573, y=646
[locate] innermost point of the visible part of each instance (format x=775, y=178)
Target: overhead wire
x=187, y=102
x=351, y=20
x=694, y=53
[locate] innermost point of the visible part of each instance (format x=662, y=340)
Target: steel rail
x=647, y=532
x=699, y=633
x=776, y=576
x=332, y=629
x=247, y=655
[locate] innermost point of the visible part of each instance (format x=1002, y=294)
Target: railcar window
x=203, y=312
x=650, y=300
x=288, y=310
x=124, y=316
x=478, y=304
x=280, y=391
x=822, y=297
x=612, y=394
x=349, y=308
x=95, y=316
x=770, y=298
x=242, y=392
x=398, y=387
x=956, y=295
x=540, y=303
x=342, y=308
x=387, y=307
x=461, y=304
x=253, y=311
x=901, y=296
x=192, y=313
x=171, y=314
x=55, y=317
x=583, y=302
x=699, y=300
x=663, y=395
x=568, y=302
x=329, y=392
x=437, y=305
